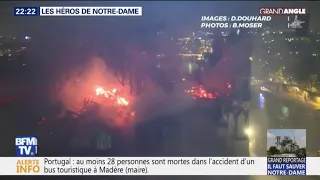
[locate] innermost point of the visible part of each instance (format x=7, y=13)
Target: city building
x=286, y=144
x=12, y=46
x=190, y=47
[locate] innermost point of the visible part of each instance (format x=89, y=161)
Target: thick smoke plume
x=82, y=81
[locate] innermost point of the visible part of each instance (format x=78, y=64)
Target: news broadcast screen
x=286, y=151
x=160, y=89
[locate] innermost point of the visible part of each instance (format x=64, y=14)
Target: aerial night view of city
x=160, y=79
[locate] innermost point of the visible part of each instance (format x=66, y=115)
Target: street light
x=248, y=131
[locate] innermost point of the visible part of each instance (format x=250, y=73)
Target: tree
x=303, y=151
x=279, y=73
x=273, y=150
x=312, y=80
x=306, y=70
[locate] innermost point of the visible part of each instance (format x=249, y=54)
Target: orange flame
x=198, y=92
x=112, y=94
x=99, y=91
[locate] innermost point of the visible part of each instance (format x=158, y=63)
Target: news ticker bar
x=77, y=11
x=151, y=166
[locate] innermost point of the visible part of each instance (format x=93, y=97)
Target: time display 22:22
x=25, y=11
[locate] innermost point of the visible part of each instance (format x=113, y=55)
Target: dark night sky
x=181, y=17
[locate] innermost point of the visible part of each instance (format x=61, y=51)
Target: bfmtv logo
x=26, y=146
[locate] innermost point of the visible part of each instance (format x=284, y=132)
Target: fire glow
x=112, y=95
x=198, y=92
